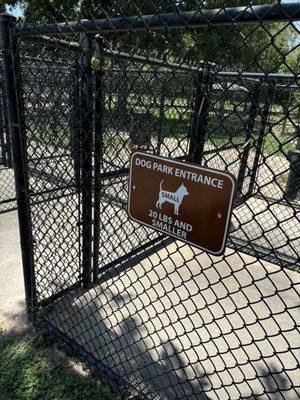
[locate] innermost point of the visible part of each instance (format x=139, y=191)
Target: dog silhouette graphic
x=174, y=198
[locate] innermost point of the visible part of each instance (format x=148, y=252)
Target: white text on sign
x=169, y=225
x=180, y=173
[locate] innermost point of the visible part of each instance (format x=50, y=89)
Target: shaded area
x=181, y=324
x=30, y=368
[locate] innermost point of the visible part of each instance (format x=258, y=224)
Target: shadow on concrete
x=154, y=370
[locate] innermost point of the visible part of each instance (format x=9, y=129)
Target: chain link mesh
x=7, y=183
x=49, y=109
x=171, y=321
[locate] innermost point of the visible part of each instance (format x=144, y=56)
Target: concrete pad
x=57, y=244
x=181, y=324
x=7, y=189
x=178, y=323
x=12, y=296
x=272, y=227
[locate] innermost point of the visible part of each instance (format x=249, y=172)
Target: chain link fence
x=155, y=317
x=7, y=183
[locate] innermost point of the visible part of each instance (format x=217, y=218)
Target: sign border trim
x=228, y=175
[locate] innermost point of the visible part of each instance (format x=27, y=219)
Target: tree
x=4, y=3
x=251, y=47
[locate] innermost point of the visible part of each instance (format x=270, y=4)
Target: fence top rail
x=181, y=68
x=277, y=12
x=54, y=63
x=259, y=75
x=153, y=61
x=188, y=68
x=56, y=42
x=185, y=69
x=123, y=56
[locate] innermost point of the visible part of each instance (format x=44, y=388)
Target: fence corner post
x=200, y=118
x=253, y=113
x=292, y=188
x=268, y=98
x=86, y=139
x=75, y=127
x=98, y=128
x=3, y=142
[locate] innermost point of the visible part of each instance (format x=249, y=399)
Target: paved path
x=180, y=321
x=11, y=275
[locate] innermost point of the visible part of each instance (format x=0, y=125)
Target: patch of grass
x=176, y=123
x=220, y=133
x=278, y=144
x=29, y=371
x=282, y=179
x=56, y=135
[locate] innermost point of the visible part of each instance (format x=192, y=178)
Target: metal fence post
x=248, y=140
x=6, y=128
x=200, y=118
x=86, y=138
x=122, y=99
x=14, y=98
x=160, y=137
x=75, y=127
x=260, y=139
x=98, y=127
x=3, y=159
x=293, y=184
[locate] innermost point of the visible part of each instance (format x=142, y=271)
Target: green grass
x=60, y=136
x=112, y=143
x=278, y=144
x=29, y=371
x=282, y=179
x=221, y=131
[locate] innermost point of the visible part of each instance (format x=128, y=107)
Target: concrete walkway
x=180, y=324
x=11, y=274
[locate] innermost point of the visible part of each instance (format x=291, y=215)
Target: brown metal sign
x=183, y=200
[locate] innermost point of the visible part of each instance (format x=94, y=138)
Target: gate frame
x=15, y=113
x=13, y=85
x=10, y=32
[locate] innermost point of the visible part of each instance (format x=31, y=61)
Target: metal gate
x=155, y=317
